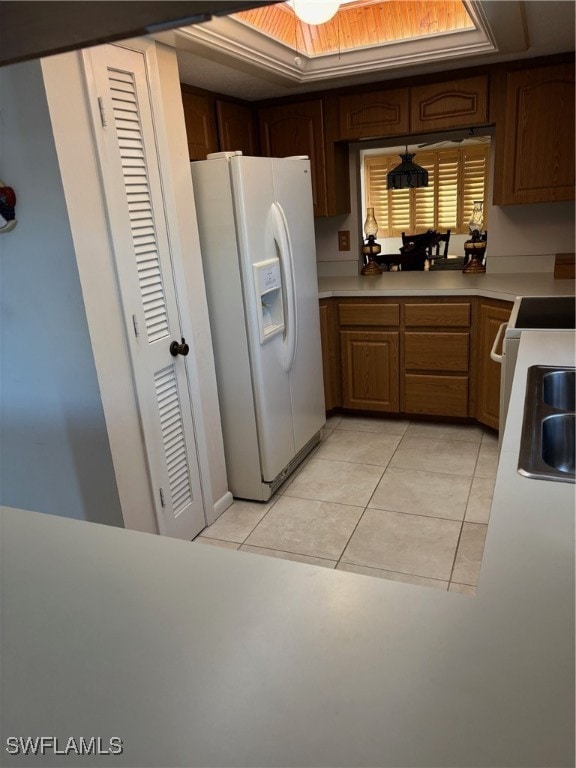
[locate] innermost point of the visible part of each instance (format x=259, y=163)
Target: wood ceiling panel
x=360, y=24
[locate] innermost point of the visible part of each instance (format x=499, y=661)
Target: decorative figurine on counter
x=370, y=248
x=475, y=248
x=7, y=208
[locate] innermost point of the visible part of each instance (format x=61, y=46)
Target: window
x=456, y=178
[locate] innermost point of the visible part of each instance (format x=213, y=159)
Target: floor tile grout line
x=404, y=573
x=291, y=552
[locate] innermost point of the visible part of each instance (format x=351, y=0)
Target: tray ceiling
x=359, y=24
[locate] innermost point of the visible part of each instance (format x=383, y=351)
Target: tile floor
x=401, y=500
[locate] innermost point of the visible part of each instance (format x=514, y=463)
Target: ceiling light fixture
x=314, y=11
x=407, y=174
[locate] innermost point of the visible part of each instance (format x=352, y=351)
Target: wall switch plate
x=344, y=240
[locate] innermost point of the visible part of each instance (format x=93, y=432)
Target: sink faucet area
x=547, y=447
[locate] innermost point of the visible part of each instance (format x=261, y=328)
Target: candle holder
x=475, y=248
x=370, y=248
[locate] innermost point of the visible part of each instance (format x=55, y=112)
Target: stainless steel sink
x=558, y=441
x=558, y=389
x=548, y=443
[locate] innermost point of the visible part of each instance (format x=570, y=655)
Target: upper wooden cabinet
x=200, y=125
x=299, y=129
x=236, y=128
x=451, y=104
x=535, y=141
x=374, y=114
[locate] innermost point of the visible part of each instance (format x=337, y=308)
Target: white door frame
x=73, y=135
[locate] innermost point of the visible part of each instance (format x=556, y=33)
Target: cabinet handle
x=493, y=354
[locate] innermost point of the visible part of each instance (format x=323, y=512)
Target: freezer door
x=257, y=235
x=293, y=196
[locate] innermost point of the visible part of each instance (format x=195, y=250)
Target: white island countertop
x=200, y=656
x=506, y=286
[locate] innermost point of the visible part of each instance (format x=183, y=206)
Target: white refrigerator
x=256, y=230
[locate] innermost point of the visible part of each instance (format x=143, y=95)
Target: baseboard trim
x=222, y=505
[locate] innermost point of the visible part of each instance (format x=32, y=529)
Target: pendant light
x=314, y=11
x=407, y=174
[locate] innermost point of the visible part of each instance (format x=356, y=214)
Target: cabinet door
x=200, y=125
x=370, y=373
x=491, y=314
x=330, y=355
x=450, y=104
x=297, y=129
x=236, y=128
x=375, y=114
x=536, y=159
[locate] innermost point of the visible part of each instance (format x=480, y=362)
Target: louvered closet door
x=131, y=178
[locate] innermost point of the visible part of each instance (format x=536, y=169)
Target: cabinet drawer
x=436, y=395
x=436, y=351
x=446, y=315
x=369, y=314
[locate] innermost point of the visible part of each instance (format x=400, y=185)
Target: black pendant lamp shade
x=407, y=174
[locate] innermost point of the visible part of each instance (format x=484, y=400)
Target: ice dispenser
x=269, y=306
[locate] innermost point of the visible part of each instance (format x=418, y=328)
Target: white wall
x=521, y=238
x=55, y=455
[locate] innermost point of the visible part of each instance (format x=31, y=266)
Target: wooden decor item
x=565, y=266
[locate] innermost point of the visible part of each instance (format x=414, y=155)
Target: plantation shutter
x=456, y=179
x=447, y=190
x=400, y=211
x=375, y=173
x=474, y=180
x=424, y=208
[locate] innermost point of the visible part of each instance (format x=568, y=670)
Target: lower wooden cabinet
x=434, y=395
x=330, y=339
x=428, y=357
x=370, y=370
x=435, y=374
x=491, y=315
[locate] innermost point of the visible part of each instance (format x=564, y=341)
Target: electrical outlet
x=344, y=240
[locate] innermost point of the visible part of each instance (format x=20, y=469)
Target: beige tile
x=238, y=521
x=338, y=481
x=217, y=543
x=464, y=589
x=455, y=457
x=306, y=527
x=487, y=465
x=412, y=544
x=392, y=576
x=489, y=438
x=359, y=447
x=469, y=555
x=466, y=432
x=480, y=501
x=288, y=556
x=332, y=421
x=422, y=493
x=374, y=424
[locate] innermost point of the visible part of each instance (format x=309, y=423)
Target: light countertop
x=201, y=656
x=450, y=282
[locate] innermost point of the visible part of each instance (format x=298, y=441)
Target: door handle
x=179, y=349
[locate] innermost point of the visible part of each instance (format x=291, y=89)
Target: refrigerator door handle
x=282, y=238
